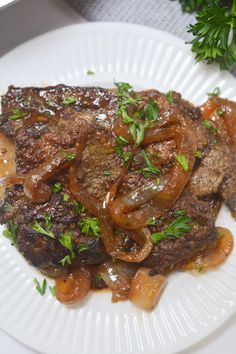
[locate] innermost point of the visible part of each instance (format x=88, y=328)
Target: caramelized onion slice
x=145, y=289
x=126, y=210
x=214, y=255
x=74, y=287
x=35, y=187
x=118, y=277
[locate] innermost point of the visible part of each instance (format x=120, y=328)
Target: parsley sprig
x=215, y=34
x=175, y=229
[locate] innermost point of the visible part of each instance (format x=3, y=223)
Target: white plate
x=191, y=306
x=5, y=3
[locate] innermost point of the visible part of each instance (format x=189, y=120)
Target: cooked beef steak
x=50, y=124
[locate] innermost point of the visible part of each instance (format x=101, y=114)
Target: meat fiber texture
x=50, y=126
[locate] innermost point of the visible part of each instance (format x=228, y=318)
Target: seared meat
x=51, y=124
x=167, y=253
x=42, y=251
x=216, y=174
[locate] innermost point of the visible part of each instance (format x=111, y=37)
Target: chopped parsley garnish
x=126, y=155
x=40, y=230
x=17, y=114
x=90, y=72
x=57, y=187
x=216, y=92
x=183, y=161
x=78, y=206
x=48, y=221
x=170, y=97
x=127, y=97
x=69, y=155
x=64, y=260
x=107, y=173
x=66, y=241
x=175, y=229
x=40, y=288
x=198, y=153
x=82, y=247
x=52, y=290
x=220, y=112
x=98, y=276
x=65, y=197
x=68, y=100
x=121, y=141
x=150, y=168
x=152, y=110
x=152, y=221
x=90, y=226
x=209, y=126
x=10, y=232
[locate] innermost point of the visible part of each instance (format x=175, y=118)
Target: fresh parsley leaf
x=66, y=241
x=68, y=100
x=175, y=229
x=170, y=97
x=64, y=260
x=40, y=288
x=126, y=155
x=90, y=72
x=220, y=112
x=82, y=247
x=121, y=141
x=48, y=221
x=78, y=206
x=152, y=221
x=10, y=232
x=152, y=110
x=123, y=87
x=216, y=92
x=17, y=114
x=52, y=290
x=57, y=187
x=215, y=35
x=40, y=230
x=198, y=153
x=90, y=226
x=194, y=5
x=209, y=126
x=107, y=173
x=98, y=276
x=151, y=168
x=65, y=197
x=69, y=155
x=183, y=161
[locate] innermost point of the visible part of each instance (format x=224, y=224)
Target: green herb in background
x=215, y=34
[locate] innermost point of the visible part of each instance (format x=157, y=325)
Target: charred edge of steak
x=42, y=251
x=167, y=253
